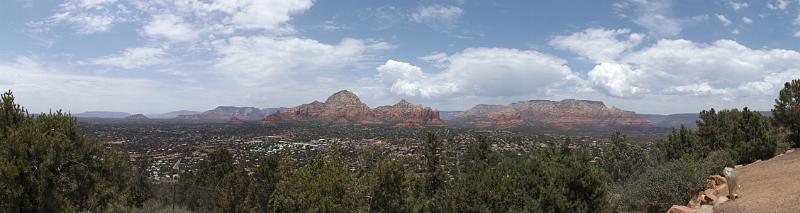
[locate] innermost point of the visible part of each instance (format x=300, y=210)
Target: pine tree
x=787, y=110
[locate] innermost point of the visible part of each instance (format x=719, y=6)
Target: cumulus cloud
x=682, y=67
x=618, y=80
x=598, y=44
x=132, y=58
x=442, y=15
x=482, y=72
x=260, y=59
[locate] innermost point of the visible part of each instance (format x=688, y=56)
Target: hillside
x=767, y=186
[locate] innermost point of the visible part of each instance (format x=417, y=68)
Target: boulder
x=679, y=209
x=710, y=199
x=697, y=200
x=718, y=180
x=722, y=190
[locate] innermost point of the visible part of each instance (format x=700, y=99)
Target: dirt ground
x=768, y=186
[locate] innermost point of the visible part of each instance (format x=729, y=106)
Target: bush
x=673, y=182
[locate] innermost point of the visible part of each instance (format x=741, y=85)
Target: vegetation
x=787, y=110
x=47, y=165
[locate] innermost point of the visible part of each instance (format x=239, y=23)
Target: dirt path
x=768, y=186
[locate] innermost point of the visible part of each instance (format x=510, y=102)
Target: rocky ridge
x=345, y=107
x=566, y=114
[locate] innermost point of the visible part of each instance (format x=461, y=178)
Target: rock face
x=136, y=117
x=235, y=121
x=406, y=114
x=344, y=107
x=566, y=114
x=226, y=113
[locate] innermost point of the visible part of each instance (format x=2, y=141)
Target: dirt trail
x=768, y=186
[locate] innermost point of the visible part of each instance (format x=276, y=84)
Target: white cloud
x=738, y=5
x=724, y=67
x=598, y=44
x=655, y=15
x=267, y=14
x=778, y=4
x=487, y=72
x=170, y=27
x=261, y=59
x=797, y=34
x=725, y=21
x=443, y=15
x=132, y=58
x=41, y=87
x=618, y=80
x=747, y=20
x=85, y=16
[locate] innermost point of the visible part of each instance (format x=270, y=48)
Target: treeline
x=47, y=165
x=556, y=179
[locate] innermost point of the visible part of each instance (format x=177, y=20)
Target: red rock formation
x=566, y=114
x=344, y=107
x=406, y=114
x=235, y=120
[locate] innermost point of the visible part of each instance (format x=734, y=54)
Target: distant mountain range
x=676, y=120
x=346, y=108
x=101, y=114
x=226, y=113
x=174, y=114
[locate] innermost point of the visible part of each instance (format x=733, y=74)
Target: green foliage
x=746, y=134
x=787, y=110
x=679, y=142
x=387, y=195
x=553, y=180
x=673, y=182
x=48, y=165
x=623, y=160
x=323, y=185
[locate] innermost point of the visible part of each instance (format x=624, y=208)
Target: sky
x=154, y=56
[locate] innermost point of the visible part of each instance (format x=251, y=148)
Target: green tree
x=746, y=134
x=387, y=194
x=270, y=171
x=48, y=165
x=787, y=110
x=623, y=160
x=324, y=184
x=434, y=174
x=679, y=142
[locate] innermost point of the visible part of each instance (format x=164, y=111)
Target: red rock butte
x=344, y=107
x=566, y=114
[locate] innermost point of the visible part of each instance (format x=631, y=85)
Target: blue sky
x=149, y=56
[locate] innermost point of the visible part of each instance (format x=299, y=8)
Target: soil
x=768, y=186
